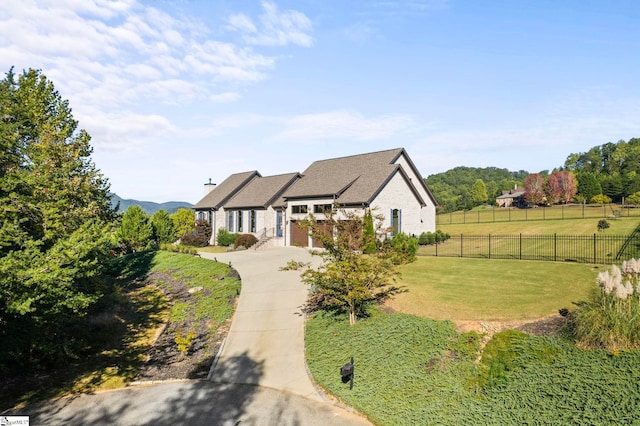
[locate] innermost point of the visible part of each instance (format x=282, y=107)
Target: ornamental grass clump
x=611, y=319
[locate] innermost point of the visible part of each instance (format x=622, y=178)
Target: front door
x=279, y=223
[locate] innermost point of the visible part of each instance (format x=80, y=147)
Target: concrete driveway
x=260, y=377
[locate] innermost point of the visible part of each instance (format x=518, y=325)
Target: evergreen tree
x=163, y=230
x=56, y=220
x=588, y=185
x=368, y=233
x=135, y=232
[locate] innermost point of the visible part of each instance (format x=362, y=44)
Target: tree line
x=604, y=174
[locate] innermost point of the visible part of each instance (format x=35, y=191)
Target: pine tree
x=56, y=220
x=135, y=232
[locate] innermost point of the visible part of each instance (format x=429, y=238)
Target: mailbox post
x=346, y=372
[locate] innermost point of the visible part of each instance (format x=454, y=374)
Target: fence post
x=436, y=248
x=555, y=247
x=595, y=245
x=520, y=246
x=489, y=246
x=461, y=245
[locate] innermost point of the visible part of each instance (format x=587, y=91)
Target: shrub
x=200, y=236
x=225, y=238
x=603, y=224
x=178, y=248
x=245, y=240
x=427, y=238
x=611, y=319
x=600, y=199
x=404, y=248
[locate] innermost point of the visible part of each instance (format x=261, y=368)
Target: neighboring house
x=271, y=207
x=512, y=198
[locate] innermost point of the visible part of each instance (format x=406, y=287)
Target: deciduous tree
x=184, y=222
x=348, y=280
x=534, y=189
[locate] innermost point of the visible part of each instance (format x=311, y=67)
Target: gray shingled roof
x=261, y=192
x=227, y=189
x=350, y=180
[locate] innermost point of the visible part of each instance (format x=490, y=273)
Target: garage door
x=299, y=236
x=326, y=229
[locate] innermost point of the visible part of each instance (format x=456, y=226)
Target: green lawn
x=477, y=289
x=557, y=212
x=621, y=226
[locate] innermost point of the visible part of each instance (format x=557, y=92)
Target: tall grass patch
x=610, y=319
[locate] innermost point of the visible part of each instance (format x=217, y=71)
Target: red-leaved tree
x=534, y=193
x=561, y=186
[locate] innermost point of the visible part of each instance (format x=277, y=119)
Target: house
x=512, y=198
x=271, y=207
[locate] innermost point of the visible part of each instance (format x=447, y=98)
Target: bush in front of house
x=611, y=318
x=245, y=240
x=199, y=237
x=427, y=238
x=226, y=238
x=404, y=248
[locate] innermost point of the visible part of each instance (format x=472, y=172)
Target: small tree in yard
x=348, y=280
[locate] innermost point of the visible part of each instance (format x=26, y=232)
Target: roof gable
x=227, y=189
x=261, y=192
x=349, y=180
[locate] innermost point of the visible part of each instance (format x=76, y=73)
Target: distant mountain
x=149, y=206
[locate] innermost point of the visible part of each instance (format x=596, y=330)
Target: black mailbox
x=346, y=372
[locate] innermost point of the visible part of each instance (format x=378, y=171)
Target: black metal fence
x=596, y=248
x=556, y=212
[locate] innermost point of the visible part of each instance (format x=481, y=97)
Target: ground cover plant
x=411, y=370
x=478, y=289
x=163, y=316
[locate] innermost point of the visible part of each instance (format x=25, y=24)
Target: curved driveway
x=260, y=377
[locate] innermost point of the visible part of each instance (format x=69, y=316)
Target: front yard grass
x=479, y=289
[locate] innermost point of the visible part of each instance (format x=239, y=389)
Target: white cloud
x=276, y=28
x=341, y=125
x=126, y=131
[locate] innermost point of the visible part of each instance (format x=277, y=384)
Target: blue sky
x=177, y=92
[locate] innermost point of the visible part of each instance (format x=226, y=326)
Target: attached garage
x=325, y=229
x=299, y=236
